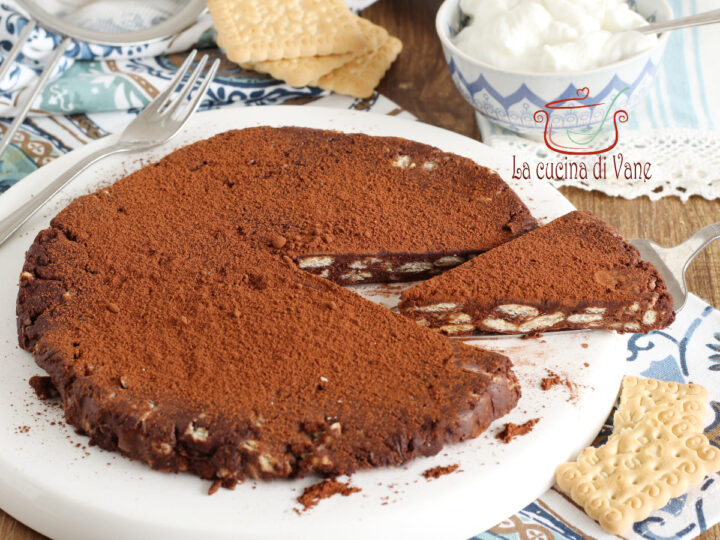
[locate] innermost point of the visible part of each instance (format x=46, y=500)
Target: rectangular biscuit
x=302, y=71
x=359, y=77
x=656, y=452
x=676, y=402
x=637, y=471
x=259, y=30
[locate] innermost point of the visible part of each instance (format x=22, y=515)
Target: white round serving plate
x=51, y=483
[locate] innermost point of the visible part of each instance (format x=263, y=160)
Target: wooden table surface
x=420, y=83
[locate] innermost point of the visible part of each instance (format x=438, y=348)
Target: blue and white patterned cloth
x=688, y=351
x=674, y=128
x=99, y=89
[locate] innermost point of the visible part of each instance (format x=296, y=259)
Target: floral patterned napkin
x=687, y=351
x=99, y=89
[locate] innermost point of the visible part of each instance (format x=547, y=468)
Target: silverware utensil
x=700, y=19
x=673, y=262
x=35, y=92
x=156, y=124
x=64, y=28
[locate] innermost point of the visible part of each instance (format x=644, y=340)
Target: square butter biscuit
x=302, y=71
x=359, y=77
x=675, y=403
x=259, y=30
x=656, y=452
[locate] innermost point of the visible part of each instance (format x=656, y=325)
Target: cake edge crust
x=177, y=439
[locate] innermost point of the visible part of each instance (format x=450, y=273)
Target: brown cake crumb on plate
x=552, y=379
x=43, y=387
x=510, y=431
x=312, y=495
x=437, y=472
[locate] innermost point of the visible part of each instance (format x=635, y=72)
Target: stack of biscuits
x=305, y=42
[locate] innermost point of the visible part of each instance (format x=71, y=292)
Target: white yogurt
x=551, y=36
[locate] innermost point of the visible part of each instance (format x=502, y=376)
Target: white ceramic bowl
x=512, y=98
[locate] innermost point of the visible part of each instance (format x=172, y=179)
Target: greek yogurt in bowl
x=551, y=36
x=577, y=61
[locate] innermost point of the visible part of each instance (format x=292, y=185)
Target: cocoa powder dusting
x=164, y=297
x=510, y=431
x=312, y=495
x=437, y=472
x=575, y=261
x=301, y=191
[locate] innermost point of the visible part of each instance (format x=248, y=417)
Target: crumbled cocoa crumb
x=532, y=335
x=554, y=379
x=277, y=241
x=551, y=380
x=43, y=387
x=510, y=431
x=437, y=472
x=312, y=495
x=215, y=487
x=584, y=345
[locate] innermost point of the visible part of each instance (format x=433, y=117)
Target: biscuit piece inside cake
x=575, y=272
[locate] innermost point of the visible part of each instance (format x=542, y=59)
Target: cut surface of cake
x=175, y=335
x=575, y=272
x=348, y=207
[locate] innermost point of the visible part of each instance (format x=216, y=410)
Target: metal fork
x=156, y=124
x=673, y=262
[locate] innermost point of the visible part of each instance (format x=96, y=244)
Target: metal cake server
x=673, y=262
x=156, y=124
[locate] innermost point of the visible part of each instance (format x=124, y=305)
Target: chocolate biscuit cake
x=172, y=318
x=576, y=272
x=348, y=207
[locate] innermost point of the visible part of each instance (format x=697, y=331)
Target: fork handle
x=11, y=223
x=691, y=247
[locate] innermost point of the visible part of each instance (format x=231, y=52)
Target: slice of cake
x=348, y=207
x=576, y=272
x=175, y=336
